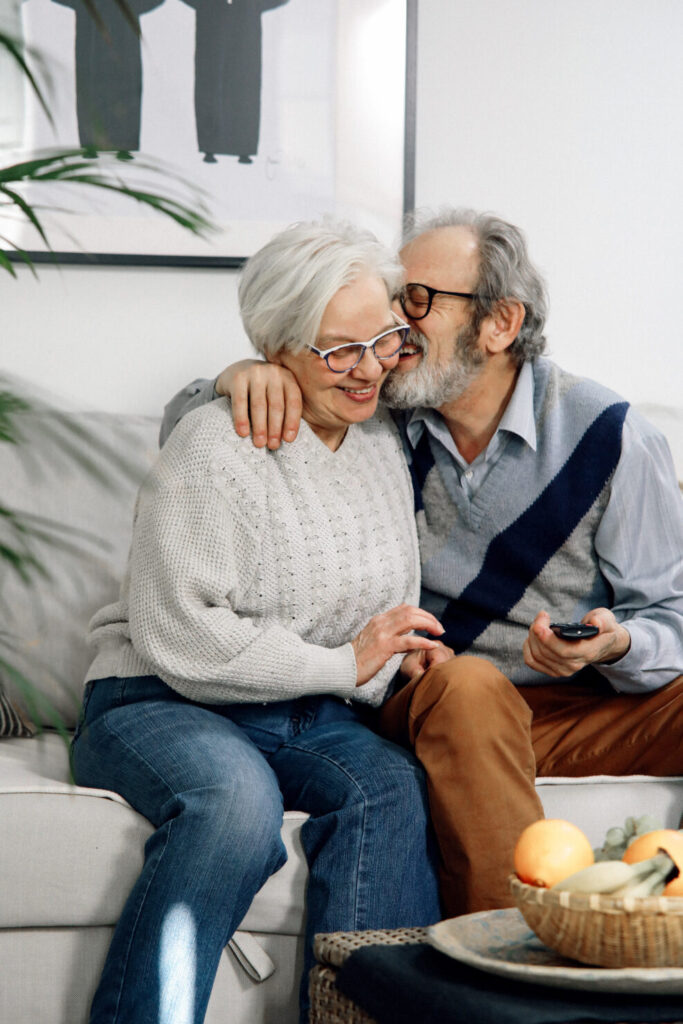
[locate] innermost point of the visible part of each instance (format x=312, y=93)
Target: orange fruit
x=549, y=850
x=649, y=843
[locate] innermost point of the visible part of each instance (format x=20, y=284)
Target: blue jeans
x=214, y=780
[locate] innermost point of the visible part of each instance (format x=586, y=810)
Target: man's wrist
x=622, y=647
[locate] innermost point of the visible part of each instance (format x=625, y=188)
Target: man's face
x=442, y=356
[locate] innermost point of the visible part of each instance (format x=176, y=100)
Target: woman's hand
x=265, y=398
x=416, y=663
x=390, y=633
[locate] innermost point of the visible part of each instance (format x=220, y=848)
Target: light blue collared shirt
x=518, y=419
x=639, y=542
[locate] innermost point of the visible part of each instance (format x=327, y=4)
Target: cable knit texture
x=251, y=571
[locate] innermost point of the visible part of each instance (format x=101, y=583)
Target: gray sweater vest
x=525, y=542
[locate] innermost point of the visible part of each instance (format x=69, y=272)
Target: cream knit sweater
x=250, y=571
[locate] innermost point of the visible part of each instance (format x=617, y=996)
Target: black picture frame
x=84, y=257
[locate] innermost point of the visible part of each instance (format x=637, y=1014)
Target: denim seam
x=136, y=754
x=137, y=919
x=330, y=760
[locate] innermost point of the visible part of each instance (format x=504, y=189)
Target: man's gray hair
x=285, y=286
x=505, y=271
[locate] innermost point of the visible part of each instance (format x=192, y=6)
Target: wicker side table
x=328, y=1004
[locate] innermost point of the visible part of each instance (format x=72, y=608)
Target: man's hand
x=415, y=664
x=547, y=653
x=266, y=399
x=391, y=633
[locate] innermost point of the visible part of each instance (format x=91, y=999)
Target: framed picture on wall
x=266, y=111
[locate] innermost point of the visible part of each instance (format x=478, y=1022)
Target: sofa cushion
x=70, y=855
x=49, y=976
x=597, y=802
x=80, y=471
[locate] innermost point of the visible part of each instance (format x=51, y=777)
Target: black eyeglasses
x=416, y=299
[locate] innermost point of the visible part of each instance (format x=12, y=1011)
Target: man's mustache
x=418, y=341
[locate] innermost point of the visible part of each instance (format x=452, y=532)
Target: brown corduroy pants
x=483, y=741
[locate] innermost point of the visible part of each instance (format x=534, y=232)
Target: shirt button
x=469, y=474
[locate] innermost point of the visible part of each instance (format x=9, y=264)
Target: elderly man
x=540, y=496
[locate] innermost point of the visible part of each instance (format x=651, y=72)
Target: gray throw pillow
x=73, y=480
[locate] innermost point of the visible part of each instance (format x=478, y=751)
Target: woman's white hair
x=285, y=287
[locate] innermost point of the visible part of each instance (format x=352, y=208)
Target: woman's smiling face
x=331, y=401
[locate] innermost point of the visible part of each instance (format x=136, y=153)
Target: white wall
x=565, y=117
x=120, y=339
x=561, y=115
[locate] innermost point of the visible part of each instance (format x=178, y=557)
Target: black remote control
x=573, y=630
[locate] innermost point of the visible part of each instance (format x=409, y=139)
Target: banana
x=616, y=878
x=604, y=877
x=652, y=885
x=652, y=881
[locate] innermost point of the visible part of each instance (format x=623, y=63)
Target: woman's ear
x=503, y=325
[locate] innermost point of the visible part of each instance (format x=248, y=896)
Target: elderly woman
x=268, y=601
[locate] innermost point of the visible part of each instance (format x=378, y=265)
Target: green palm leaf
x=23, y=537
x=69, y=167
x=72, y=167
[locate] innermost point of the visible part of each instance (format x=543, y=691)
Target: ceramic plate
x=501, y=942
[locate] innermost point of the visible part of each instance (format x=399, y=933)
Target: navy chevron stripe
x=516, y=556
x=421, y=462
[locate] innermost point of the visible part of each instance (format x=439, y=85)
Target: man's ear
x=502, y=326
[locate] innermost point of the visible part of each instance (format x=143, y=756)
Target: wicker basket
x=606, y=931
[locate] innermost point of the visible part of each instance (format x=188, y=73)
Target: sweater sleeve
x=192, y=558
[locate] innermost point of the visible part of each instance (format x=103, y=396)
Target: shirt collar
x=518, y=417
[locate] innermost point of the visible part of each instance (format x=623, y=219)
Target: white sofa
x=69, y=856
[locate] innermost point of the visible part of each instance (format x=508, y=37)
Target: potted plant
x=22, y=537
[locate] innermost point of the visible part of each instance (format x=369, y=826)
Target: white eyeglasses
x=342, y=358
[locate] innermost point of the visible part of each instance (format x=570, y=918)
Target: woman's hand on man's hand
x=265, y=398
x=391, y=633
x=415, y=664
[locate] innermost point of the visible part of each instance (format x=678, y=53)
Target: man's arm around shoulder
x=194, y=395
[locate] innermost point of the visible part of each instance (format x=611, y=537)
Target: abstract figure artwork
x=261, y=112
x=227, y=91
x=108, y=76
x=227, y=86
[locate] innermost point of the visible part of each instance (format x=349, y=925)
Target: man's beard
x=434, y=386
